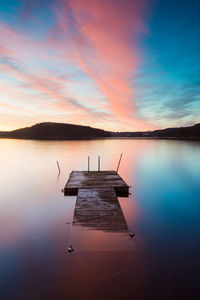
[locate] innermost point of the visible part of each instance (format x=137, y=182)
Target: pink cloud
x=103, y=36
x=41, y=88
x=98, y=36
x=18, y=51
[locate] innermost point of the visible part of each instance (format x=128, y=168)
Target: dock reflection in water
x=97, y=208
x=99, y=223
x=104, y=253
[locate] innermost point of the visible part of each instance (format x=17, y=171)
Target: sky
x=121, y=65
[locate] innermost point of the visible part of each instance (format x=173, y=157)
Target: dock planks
x=99, y=209
x=98, y=223
x=95, y=179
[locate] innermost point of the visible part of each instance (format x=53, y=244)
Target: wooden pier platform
x=95, y=179
x=97, y=209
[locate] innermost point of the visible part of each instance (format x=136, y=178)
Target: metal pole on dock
x=119, y=162
x=58, y=167
x=88, y=163
x=98, y=163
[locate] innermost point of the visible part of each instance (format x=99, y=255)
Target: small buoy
x=70, y=249
x=132, y=234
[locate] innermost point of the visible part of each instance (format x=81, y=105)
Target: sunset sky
x=111, y=64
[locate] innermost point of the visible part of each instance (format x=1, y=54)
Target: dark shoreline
x=102, y=138
x=61, y=131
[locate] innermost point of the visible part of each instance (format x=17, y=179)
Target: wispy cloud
x=97, y=39
x=21, y=79
x=103, y=41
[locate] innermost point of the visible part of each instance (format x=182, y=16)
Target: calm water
x=163, y=211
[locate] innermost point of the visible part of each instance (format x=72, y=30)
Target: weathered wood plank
x=95, y=179
x=98, y=208
x=99, y=223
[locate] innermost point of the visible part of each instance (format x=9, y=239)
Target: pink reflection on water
x=29, y=190
x=35, y=214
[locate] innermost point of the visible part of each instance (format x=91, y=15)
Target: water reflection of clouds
x=35, y=211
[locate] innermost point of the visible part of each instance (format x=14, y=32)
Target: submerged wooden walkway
x=99, y=209
x=97, y=206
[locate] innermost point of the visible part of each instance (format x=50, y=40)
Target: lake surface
x=163, y=210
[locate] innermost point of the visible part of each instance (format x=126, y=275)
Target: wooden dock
x=95, y=179
x=97, y=208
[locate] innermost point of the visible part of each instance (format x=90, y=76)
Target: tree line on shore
x=62, y=131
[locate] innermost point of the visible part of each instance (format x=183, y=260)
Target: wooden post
x=58, y=167
x=119, y=162
x=88, y=163
x=98, y=163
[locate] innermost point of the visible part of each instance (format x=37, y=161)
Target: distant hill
x=187, y=133
x=61, y=131
x=55, y=131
